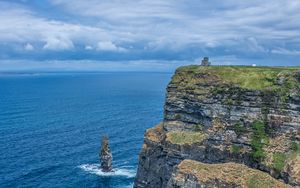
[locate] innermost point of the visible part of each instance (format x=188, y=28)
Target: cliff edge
x=222, y=122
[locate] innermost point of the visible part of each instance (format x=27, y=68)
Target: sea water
x=51, y=126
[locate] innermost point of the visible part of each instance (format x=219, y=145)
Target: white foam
x=95, y=169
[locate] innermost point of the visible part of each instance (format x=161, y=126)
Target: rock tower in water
x=105, y=155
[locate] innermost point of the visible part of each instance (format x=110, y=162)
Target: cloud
x=254, y=46
x=47, y=33
x=58, y=44
x=28, y=47
x=177, y=30
x=109, y=46
x=194, y=20
x=88, y=47
x=282, y=51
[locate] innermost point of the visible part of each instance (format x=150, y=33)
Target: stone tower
x=205, y=62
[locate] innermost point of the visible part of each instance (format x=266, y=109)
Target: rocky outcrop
x=218, y=115
x=105, y=155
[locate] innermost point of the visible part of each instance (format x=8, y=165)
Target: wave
x=95, y=169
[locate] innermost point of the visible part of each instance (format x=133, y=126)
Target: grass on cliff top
x=256, y=78
x=183, y=137
x=229, y=173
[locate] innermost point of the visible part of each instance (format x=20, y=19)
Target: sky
x=156, y=35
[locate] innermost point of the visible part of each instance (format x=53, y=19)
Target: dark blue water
x=51, y=125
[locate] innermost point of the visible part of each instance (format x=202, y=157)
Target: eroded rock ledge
x=191, y=174
x=226, y=115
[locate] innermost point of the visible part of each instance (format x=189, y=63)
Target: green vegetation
x=293, y=137
x=198, y=127
x=229, y=102
x=239, y=129
x=257, y=181
x=279, y=161
x=183, y=137
x=253, y=182
x=295, y=150
x=254, y=78
x=265, y=110
x=236, y=149
x=295, y=146
x=177, y=116
x=259, y=140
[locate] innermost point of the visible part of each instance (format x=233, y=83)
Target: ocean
x=51, y=126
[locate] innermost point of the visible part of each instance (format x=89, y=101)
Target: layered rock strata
x=105, y=155
x=226, y=115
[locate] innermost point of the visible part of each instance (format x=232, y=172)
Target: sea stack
x=105, y=155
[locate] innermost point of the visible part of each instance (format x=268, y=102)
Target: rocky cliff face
x=219, y=115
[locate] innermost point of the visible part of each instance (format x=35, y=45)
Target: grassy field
x=230, y=173
x=181, y=137
x=256, y=78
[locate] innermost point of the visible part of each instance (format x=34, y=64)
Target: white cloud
x=283, y=51
x=28, y=47
x=109, y=46
x=58, y=43
x=239, y=27
x=255, y=26
x=254, y=46
x=53, y=34
x=88, y=47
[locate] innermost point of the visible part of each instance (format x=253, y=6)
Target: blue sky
x=146, y=35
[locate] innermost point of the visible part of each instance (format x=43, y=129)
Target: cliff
x=221, y=118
